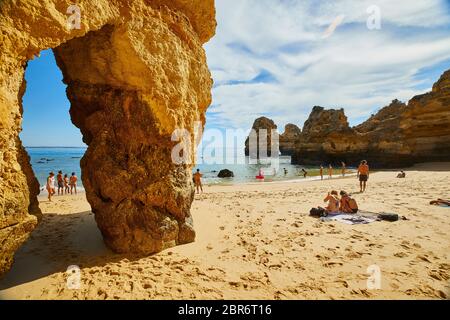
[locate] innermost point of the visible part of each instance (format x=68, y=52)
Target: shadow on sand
x=58, y=242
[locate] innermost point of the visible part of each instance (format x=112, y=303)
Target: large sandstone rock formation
x=398, y=135
x=259, y=143
x=135, y=72
x=289, y=138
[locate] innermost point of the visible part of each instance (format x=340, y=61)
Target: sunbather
x=440, y=202
x=333, y=202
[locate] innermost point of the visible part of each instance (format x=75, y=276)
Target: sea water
x=45, y=159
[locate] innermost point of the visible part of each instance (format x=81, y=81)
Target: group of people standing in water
x=64, y=183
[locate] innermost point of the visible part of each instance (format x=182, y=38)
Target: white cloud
x=354, y=68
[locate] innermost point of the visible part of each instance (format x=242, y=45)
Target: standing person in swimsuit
x=66, y=184
x=330, y=171
x=50, y=186
x=363, y=175
x=73, y=183
x=60, y=180
x=343, y=169
x=321, y=172
x=198, y=181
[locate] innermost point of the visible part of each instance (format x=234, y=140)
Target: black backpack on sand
x=318, y=212
x=392, y=217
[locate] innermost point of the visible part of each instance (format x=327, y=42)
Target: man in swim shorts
x=198, y=181
x=363, y=175
x=60, y=180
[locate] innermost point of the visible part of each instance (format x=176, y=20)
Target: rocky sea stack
x=398, y=135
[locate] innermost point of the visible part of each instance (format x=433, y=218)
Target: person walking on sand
x=321, y=172
x=66, y=184
x=50, y=186
x=343, y=169
x=198, y=181
x=73, y=183
x=363, y=175
x=60, y=180
x=330, y=171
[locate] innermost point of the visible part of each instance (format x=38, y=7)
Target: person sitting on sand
x=330, y=171
x=440, y=202
x=321, y=172
x=66, y=184
x=198, y=181
x=363, y=175
x=60, y=180
x=401, y=175
x=50, y=186
x=347, y=203
x=73, y=183
x=333, y=202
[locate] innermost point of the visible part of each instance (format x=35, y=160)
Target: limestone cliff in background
x=396, y=136
x=135, y=71
x=291, y=135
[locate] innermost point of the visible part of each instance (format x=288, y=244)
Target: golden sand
x=255, y=241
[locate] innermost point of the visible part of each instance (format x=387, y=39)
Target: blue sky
x=46, y=120
x=270, y=57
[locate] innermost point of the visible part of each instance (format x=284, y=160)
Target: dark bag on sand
x=392, y=217
x=317, y=212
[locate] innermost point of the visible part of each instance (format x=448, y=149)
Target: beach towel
x=349, y=218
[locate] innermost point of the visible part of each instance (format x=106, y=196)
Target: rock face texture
x=291, y=135
x=259, y=143
x=225, y=173
x=398, y=135
x=136, y=71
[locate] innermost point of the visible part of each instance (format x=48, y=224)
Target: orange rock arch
x=135, y=70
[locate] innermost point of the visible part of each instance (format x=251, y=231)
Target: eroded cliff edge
x=398, y=135
x=136, y=71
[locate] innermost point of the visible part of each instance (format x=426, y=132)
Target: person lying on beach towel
x=440, y=202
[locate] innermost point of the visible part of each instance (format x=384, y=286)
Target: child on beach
x=363, y=175
x=66, y=184
x=50, y=185
x=198, y=181
x=73, y=183
x=60, y=180
x=333, y=202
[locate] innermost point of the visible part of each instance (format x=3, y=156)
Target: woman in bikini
x=73, y=183
x=50, y=186
x=66, y=184
x=333, y=202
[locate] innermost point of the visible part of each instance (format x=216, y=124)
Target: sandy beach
x=255, y=241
